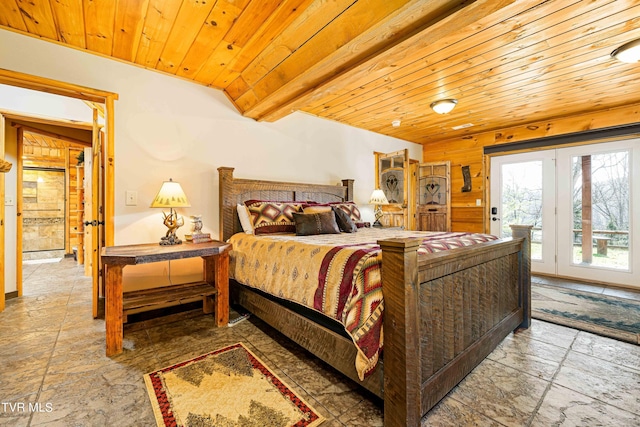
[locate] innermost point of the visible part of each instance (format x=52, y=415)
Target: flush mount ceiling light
x=628, y=52
x=444, y=106
x=395, y=123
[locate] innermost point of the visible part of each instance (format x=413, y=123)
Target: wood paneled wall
x=469, y=151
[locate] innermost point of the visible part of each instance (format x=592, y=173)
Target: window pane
x=522, y=200
x=601, y=192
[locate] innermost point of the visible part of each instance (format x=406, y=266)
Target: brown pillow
x=315, y=223
x=345, y=223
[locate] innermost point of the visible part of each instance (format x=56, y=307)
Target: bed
x=444, y=312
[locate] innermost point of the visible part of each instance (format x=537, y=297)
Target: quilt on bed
x=335, y=274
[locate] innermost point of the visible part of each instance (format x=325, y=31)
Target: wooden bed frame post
x=349, y=184
x=402, y=359
x=524, y=231
x=225, y=177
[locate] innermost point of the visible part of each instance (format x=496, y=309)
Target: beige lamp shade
x=170, y=195
x=378, y=198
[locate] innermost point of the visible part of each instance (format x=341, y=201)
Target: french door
x=582, y=202
x=523, y=191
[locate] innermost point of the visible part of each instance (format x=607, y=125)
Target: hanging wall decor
x=466, y=175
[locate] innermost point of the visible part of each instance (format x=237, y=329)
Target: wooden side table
x=117, y=304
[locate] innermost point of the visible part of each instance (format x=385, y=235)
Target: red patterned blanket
x=337, y=275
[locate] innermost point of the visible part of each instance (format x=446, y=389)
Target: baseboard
x=11, y=295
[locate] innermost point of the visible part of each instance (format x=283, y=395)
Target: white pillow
x=245, y=221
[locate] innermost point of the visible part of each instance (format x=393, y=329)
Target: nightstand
x=213, y=290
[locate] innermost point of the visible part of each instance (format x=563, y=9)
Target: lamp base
x=170, y=240
x=173, y=222
x=378, y=214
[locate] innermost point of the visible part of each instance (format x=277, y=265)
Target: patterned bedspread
x=335, y=274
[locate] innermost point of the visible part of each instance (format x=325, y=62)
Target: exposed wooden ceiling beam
x=416, y=34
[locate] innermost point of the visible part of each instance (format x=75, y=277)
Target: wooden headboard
x=234, y=191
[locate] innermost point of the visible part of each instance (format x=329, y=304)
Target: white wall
x=167, y=127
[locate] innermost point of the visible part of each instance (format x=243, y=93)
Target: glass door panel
x=524, y=193
x=601, y=209
x=595, y=212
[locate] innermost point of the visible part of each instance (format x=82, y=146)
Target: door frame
x=26, y=81
x=603, y=275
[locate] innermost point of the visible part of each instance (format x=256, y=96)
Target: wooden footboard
x=444, y=313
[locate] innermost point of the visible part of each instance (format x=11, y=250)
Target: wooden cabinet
x=433, y=196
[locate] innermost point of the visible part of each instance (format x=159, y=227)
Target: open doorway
x=101, y=104
x=44, y=193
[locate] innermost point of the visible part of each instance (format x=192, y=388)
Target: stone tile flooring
x=52, y=357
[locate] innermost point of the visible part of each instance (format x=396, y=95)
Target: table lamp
x=378, y=198
x=171, y=196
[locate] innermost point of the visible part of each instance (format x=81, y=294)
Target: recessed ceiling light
x=443, y=106
x=395, y=123
x=628, y=52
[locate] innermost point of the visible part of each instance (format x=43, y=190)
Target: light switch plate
x=131, y=198
x=9, y=201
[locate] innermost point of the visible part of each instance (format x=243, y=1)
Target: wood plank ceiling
x=367, y=62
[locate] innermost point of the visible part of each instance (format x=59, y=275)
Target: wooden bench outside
x=602, y=244
x=168, y=296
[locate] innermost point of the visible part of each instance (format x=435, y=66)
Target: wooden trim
x=34, y=118
x=67, y=203
x=2, y=216
x=109, y=172
x=11, y=295
x=582, y=137
x=19, y=211
x=51, y=134
x=42, y=84
x=96, y=153
x=27, y=81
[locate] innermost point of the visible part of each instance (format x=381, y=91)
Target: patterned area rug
x=229, y=387
x=609, y=316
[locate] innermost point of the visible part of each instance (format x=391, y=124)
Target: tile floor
x=52, y=355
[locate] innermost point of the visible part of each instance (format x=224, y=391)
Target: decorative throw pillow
x=245, y=221
x=345, y=223
x=316, y=223
x=272, y=216
x=309, y=209
x=351, y=208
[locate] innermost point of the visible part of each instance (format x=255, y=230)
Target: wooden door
x=88, y=211
x=392, y=175
x=433, y=196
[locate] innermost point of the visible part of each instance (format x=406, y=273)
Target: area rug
x=609, y=316
x=229, y=387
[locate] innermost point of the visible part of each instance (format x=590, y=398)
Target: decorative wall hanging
x=466, y=175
